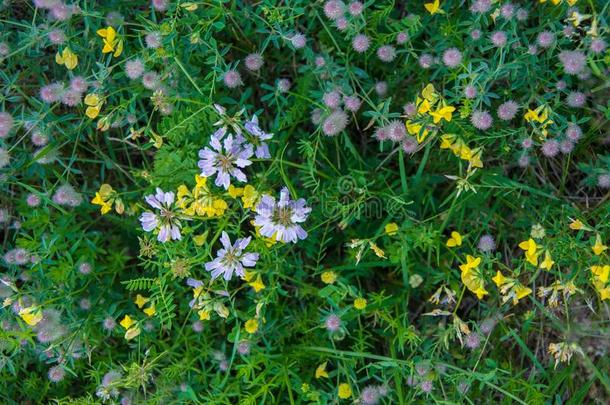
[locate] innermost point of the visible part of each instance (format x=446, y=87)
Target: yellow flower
x=250, y=196
x=257, y=284
x=321, y=371
x=447, y=141
x=391, y=228
x=416, y=130
x=140, y=301
x=151, y=310
x=576, y=225
x=132, y=333
x=127, y=322
x=251, y=326
x=432, y=7
x=94, y=105
x=548, y=262
x=475, y=158
x=423, y=106
x=105, y=197
x=471, y=263
x=200, y=201
x=344, y=391
x=455, y=240
x=67, y=58
x=235, y=192
x=530, y=247
x=204, y=315
x=112, y=43
x=429, y=93
x=520, y=292
x=499, y=279
x=329, y=277
x=599, y=247
x=604, y=293
x=360, y=303
x=445, y=113
x=31, y=315
x=602, y=273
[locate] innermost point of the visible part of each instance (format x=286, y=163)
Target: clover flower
x=262, y=149
x=550, y=148
x=361, y=43
x=508, y=110
x=573, y=62
x=334, y=9
x=386, y=53
x=598, y=45
x=232, y=79
x=332, y=99
x=470, y=91
x=281, y=219
x=335, y=123
x=352, y=103
x=134, y=68
x=499, y=39
x=231, y=258
x=402, y=37
x=66, y=195
x=166, y=221
x=452, y=57
x=545, y=39
x=254, y=62
x=56, y=374
x=298, y=40
x=481, y=120
x=226, y=159
x=576, y=99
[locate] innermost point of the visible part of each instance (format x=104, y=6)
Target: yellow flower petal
x=321, y=371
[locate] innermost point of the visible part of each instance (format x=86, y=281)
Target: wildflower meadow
x=304, y=202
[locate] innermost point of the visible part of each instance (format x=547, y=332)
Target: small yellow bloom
x=599, y=247
x=576, y=225
x=604, y=293
x=251, y=326
x=530, y=247
x=94, y=103
x=344, y=391
x=521, y=292
x=471, y=263
x=235, y=192
x=445, y=113
x=391, y=228
x=329, y=277
x=602, y=273
x=140, y=301
x=548, y=262
x=127, y=322
x=151, y=310
x=257, y=284
x=455, y=240
x=67, y=58
x=204, y=315
x=499, y=279
x=378, y=251
x=423, y=106
x=31, y=315
x=321, y=371
x=250, y=196
x=360, y=303
x=112, y=43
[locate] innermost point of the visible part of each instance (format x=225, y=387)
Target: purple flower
x=361, y=43
x=452, y=57
x=134, y=68
x=550, y=148
x=487, y=243
x=281, y=219
x=226, y=159
x=480, y=6
x=426, y=60
x=508, y=110
x=334, y=9
x=231, y=258
x=573, y=61
x=355, y=8
x=499, y=38
x=232, y=79
x=576, y=99
x=386, y=53
x=335, y=123
x=573, y=132
x=352, y=103
x=262, y=149
x=332, y=99
x=401, y=38
x=598, y=45
x=166, y=220
x=481, y=120
x=545, y=39
x=6, y=123
x=470, y=91
x=254, y=61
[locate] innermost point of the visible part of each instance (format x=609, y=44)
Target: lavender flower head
x=165, y=220
x=262, y=149
x=226, y=159
x=281, y=219
x=231, y=258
